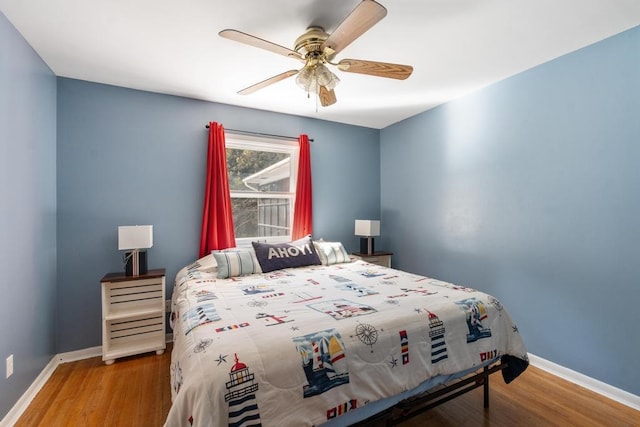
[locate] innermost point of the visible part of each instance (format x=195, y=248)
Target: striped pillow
x=236, y=262
x=331, y=252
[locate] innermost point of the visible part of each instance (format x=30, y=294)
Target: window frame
x=270, y=144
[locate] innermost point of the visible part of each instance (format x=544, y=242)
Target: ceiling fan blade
x=374, y=68
x=327, y=97
x=362, y=18
x=254, y=41
x=267, y=82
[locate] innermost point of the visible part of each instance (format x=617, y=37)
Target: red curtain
x=217, y=219
x=302, y=212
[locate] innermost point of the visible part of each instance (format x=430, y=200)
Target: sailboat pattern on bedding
x=301, y=346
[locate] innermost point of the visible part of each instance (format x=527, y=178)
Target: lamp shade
x=135, y=237
x=367, y=227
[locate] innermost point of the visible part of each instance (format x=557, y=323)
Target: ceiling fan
x=315, y=48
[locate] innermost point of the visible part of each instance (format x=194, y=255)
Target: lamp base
x=366, y=245
x=136, y=263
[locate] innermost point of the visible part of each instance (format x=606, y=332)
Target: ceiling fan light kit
x=312, y=77
x=316, y=48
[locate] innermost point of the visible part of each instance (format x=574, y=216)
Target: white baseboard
x=25, y=400
x=72, y=356
x=594, y=385
x=589, y=383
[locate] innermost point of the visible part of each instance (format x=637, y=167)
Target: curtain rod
x=246, y=132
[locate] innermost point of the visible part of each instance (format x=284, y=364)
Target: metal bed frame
x=418, y=404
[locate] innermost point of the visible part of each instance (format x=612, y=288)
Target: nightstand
x=378, y=258
x=133, y=317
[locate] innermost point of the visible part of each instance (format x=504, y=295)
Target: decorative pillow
x=207, y=264
x=301, y=241
x=285, y=255
x=236, y=262
x=331, y=252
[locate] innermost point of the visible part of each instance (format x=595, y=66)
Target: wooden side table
x=379, y=258
x=133, y=317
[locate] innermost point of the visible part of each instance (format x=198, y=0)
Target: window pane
x=245, y=217
x=252, y=170
x=261, y=217
x=261, y=176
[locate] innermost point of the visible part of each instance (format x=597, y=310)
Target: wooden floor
x=135, y=392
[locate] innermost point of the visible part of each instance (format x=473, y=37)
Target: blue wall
x=527, y=189
x=27, y=213
x=530, y=190
x=131, y=157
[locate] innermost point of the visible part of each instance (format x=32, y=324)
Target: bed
x=315, y=338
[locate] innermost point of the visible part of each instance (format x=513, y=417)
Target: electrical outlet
x=167, y=306
x=9, y=366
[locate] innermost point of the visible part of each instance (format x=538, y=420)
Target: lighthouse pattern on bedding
x=241, y=396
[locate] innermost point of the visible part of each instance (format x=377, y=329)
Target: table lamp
x=134, y=238
x=367, y=229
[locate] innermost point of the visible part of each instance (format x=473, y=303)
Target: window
x=262, y=180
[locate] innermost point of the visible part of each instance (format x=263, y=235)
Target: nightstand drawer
x=132, y=329
x=131, y=298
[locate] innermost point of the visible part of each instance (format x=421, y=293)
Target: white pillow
x=331, y=252
x=206, y=264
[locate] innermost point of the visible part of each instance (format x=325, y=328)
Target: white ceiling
x=173, y=47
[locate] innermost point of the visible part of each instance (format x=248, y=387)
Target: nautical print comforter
x=301, y=346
